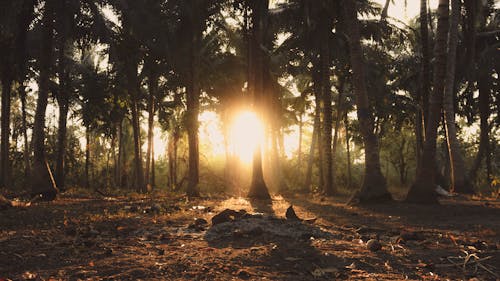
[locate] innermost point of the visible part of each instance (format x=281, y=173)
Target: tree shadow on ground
x=465, y=220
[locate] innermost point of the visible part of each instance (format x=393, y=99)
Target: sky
x=397, y=8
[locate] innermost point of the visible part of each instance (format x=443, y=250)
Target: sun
x=247, y=131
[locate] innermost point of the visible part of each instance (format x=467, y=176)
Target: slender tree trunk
x=153, y=172
x=423, y=189
x=42, y=181
x=484, y=88
x=329, y=188
x=113, y=181
x=299, y=148
x=26, y=149
x=4, y=151
x=258, y=187
x=374, y=187
x=63, y=102
x=193, y=103
x=312, y=149
x=459, y=176
x=423, y=92
x=319, y=135
x=25, y=19
x=61, y=144
x=139, y=172
x=337, y=127
x=153, y=82
x=426, y=58
x=87, y=158
x=119, y=162
x=348, y=150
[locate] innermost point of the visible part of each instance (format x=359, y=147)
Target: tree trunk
x=119, y=162
x=42, y=181
x=459, y=177
x=423, y=189
x=374, y=187
x=329, y=188
x=4, y=151
x=139, y=172
x=153, y=82
x=172, y=159
x=299, y=148
x=258, y=187
x=26, y=149
x=87, y=158
x=423, y=92
x=337, y=127
x=63, y=102
x=312, y=149
x=484, y=88
x=319, y=135
x=348, y=150
x=193, y=103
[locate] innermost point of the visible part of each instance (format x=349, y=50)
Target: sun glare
x=247, y=132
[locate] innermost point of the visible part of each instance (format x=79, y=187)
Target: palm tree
x=258, y=187
x=459, y=176
x=374, y=187
x=42, y=181
x=422, y=190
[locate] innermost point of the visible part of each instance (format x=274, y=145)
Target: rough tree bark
x=374, y=187
x=42, y=181
x=258, y=187
x=459, y=177
x=423, y=189
x=326, y=26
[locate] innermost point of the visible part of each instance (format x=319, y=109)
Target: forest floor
x=167, y=237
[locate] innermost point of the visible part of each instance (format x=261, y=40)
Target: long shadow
x=389, y=219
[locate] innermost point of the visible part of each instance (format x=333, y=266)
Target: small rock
x=243, y=274
x=200, y=222
x=373, y=245
x=290, y=214
x=156, y=208
x=225, y=216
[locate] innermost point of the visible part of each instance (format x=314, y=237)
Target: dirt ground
x=167, y=237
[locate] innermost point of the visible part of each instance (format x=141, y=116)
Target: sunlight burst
x=246, y=132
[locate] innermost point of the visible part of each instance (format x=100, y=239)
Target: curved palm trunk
x=258, y=187
x=459, y=177
x=374, y=188
x=422, y=190
x=42, y=182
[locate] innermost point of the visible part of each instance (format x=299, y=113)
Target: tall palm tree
x=459, y=176
x=423, y=92
x=423, y=189
x=374, y=187
x=258, y=187
x=42, y=181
